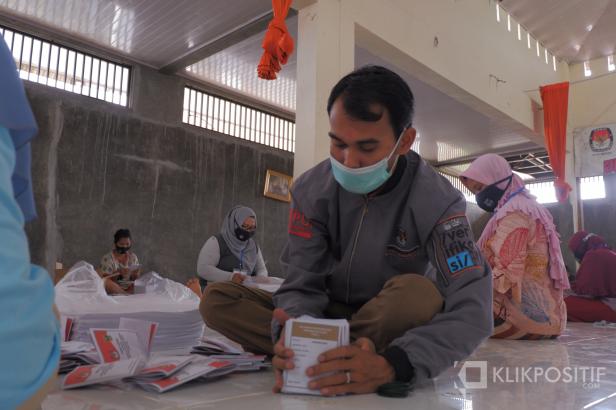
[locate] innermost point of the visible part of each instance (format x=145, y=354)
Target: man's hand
x=238, y=278
x=283, y=357
x=356, y=369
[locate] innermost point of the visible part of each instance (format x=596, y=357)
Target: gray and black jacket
x=343, y=247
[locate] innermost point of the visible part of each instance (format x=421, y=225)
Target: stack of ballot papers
x=308, y=338
x=74, y=354
x=199, y=369
x=268, y=283
x=132, y=339
x=66, y=327
x=218, y=345
x=124, y=355
x=102, y=373
x=221, y=348
x=81, y=296
x=176, y=332
x=160, y=367
x=244, y=362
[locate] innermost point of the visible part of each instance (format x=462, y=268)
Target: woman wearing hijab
x=232, y=255
x=595, y=282
x=522, y=246
x=30, y=338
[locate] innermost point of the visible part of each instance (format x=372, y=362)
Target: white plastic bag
x=81, y=285
x=82, y=291
x=81, y=295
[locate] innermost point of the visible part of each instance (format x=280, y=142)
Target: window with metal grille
x=227, y=117
x=590, y=188
x=44, y=62
x=544, y=191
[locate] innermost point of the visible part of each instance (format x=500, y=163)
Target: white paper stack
x=201, y=369
x=268, y=283
x=81, y=296
x=308, y=338
x=176, y=333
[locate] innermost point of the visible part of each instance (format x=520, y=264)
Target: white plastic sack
x=82, y=291
x=81, y=295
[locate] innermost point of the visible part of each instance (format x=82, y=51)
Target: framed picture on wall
x=278, y=186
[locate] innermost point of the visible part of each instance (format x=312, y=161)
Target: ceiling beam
x=226, y=40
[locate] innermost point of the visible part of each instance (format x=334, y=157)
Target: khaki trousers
x=244, y=314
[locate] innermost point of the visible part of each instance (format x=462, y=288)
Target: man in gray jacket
x=375, y=236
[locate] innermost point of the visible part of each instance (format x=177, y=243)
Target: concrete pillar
x=574, y=195
x=157, y=97
x=325, y=52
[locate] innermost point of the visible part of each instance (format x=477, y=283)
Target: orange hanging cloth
x=277, y=43
x=555, y=99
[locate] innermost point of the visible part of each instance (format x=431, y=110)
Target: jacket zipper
x=348, y=272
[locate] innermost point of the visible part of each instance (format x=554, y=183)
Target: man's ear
x=408, y=138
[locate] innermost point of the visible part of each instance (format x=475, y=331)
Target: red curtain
x=555, y=99
x=277, y=43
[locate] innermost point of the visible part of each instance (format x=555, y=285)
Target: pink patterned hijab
x=489, y=168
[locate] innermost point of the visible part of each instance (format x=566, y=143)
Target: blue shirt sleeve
x=29, y=331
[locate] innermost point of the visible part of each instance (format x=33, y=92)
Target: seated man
x=376, y=236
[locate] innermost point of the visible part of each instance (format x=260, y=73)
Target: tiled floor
x=581, y=347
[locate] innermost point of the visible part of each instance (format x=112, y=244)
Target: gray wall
x=99, y=167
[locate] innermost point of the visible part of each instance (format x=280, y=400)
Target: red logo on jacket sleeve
x=299, y=225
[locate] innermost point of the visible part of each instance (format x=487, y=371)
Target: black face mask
x=242, y=234
x=122, y=249
x=487, y=198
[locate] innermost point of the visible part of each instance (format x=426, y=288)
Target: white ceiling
x=573, y=30
x=236, y=68
x=158, y=32
x=155, y=32
x=447, y=128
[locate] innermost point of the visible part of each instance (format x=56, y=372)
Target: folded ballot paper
x=74, y=354
x=308, y=338
x=160, y=367
x=221, y=348
x=102, y=373
x=200, y=368
x=128, y=347
x=123, y=355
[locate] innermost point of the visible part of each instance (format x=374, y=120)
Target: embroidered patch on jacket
x=460, y=261
x=455, y=247
x=299, y=224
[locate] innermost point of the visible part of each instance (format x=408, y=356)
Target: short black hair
x=121, y=233
x=373, y=84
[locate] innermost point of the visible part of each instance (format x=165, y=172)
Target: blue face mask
x=363, y=180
